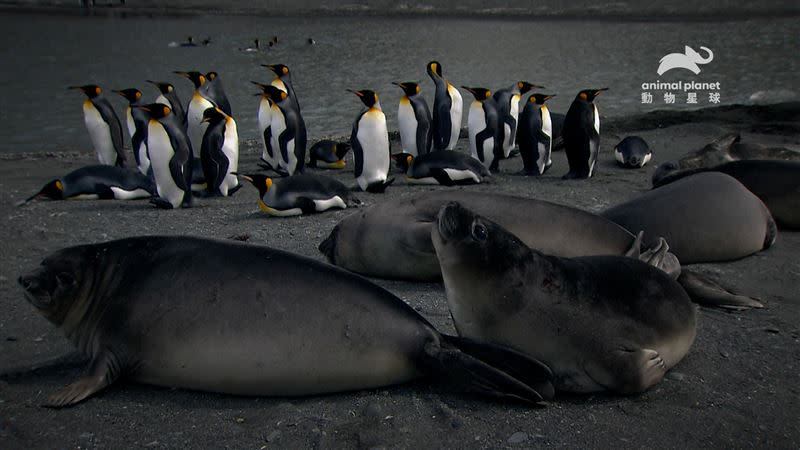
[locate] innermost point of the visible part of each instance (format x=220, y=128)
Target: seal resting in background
x=239, y=319
x=600, y=323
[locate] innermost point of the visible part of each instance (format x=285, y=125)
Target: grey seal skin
x=98, y=182
x=632, y=152
x=240, y=319
x=776, y=183
x=705, y=218
x=723, y=149
x=601, y=323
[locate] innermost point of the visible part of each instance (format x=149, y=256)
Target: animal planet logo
x=689, y=60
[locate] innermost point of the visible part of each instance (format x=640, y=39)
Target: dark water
x=755, y=60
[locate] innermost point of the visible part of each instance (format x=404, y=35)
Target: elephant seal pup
x=776, y=183
x=724, y=149
x=601, y=323
x=705, y=218
x=239, y=319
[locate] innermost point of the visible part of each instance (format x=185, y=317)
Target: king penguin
x=447, y=108
x=414, y=119
x=535, y=135
x=136, y=119
x=219, y=153
x=484, y=132
x=582, y=134
x=283, y=81
x=170, y=157
x=214, y=91
x=269, y=156
x=507, y=100
x=370, y=143
x=104, y=127
x=286, y=140
x=168, y=96
x=195, y=127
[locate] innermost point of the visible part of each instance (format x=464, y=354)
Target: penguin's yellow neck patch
x=404, y=100
x=263, y=207
x=544, y=108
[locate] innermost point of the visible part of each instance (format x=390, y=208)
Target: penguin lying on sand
x=445, y=167
x=98, y=182
x=300, y=194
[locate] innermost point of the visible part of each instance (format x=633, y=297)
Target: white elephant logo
x=688, y=60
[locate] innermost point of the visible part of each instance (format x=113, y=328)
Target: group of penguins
x=166, y=138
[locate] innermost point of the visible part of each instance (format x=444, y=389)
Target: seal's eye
x=479, y=232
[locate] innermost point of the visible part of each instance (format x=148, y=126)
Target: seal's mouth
x=35, y=289
x=453, y=221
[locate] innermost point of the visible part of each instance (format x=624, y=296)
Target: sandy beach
x=737, y=388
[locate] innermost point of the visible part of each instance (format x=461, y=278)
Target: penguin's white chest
x=408, y=127
x=161, y=153
x=456, y=109
x=509, y=137
x=285, y=152
x=196, y=126
x=129, y=122
x=476, y=122
x=596, y=119
x=100, y=134
x=230, y=148
x=374, y=140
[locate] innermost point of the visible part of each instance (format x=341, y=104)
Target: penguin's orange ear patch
x=285, y=70
x=583, y=96
x=59, y=185
x=166, y=109
x=418, y=89
x=268, y=183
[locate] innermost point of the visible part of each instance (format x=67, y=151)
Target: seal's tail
x=488, y=369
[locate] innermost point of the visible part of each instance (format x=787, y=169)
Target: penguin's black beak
x=598, y=91
x=358, y=93
x=244, y=177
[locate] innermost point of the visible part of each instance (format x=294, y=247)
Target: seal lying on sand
x=776, y=183
x=724, y=149
x=240, y=319
x=600, y=323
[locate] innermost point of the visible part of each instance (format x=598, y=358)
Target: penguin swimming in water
x=484, y=129
x=447, y=108
x=214, y=91
x=170, y=157
x=287, y=142
x=168, y=96
x=98, y=182
x=581, y=134
x=104, y=127
x=370, y=143
x=535, y=135
x=328, y=154
x=300, y=194
x=507, y=100
x=632, y=152
x=195, y=127
x=414, y=119
x=219, y=153
x=445, y=167
x=136, y=120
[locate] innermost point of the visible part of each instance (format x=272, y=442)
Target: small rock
x=38, y=339
x=11, y=338
x=724, y=354
x=772, y=330
x=151, y=444
x=675, y=376
x=274, y=436
x=518, y=438
x=239, y=420
x=86, y=436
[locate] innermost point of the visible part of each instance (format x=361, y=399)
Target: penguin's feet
x=161, y=203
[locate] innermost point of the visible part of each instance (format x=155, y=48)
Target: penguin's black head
x=539, y=99
x=156, y=110
x=132, y=95
x=434, y=68
x=525, y=87
x=278, y=69
x=274, y=94
x=91, y=90
x=369, y=98
x=403, y=161
x=164, y=88
x=480, y=94
x=213, y=115
x=53, y=190
x=211, y=76
x=197, y=78
x=409, y=88
x=261, y=182
x=588, y=95
x=341, y=149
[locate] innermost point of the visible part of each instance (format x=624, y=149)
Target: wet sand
x=736, y=388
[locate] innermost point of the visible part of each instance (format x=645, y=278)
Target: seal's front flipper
x=706, y=292
x=488, y=369
x=103, y=371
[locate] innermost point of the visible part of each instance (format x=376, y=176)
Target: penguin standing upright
x=414, y=119
x=581, y=134
x=104, y=127
x=168, y=96
x=447, y=108
x=535, y=135
x=195, y=127
x=507, y=100
x=214, y=91
x=287, y=142
x=136, y=119
x=370, y=143
x=170, y=157
x=219, y=153
x=269, y=155
x=283, y=81
x=484, y=131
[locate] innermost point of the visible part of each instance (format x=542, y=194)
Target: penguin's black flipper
x=104, y=192
x=306, y=205
x=233, y=190
x=161, y=203
x=441, y=177
x=115, y=127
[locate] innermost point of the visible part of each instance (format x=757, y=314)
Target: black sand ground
x=738, y=387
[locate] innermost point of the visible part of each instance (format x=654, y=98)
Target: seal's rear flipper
x=103, y=371
x=488, y=369
x=708, y=293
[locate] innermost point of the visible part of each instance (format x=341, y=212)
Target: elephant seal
x=723, y=149
x=705, y=218
x=776, y=183
x=240, y=319
x=601, y=323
